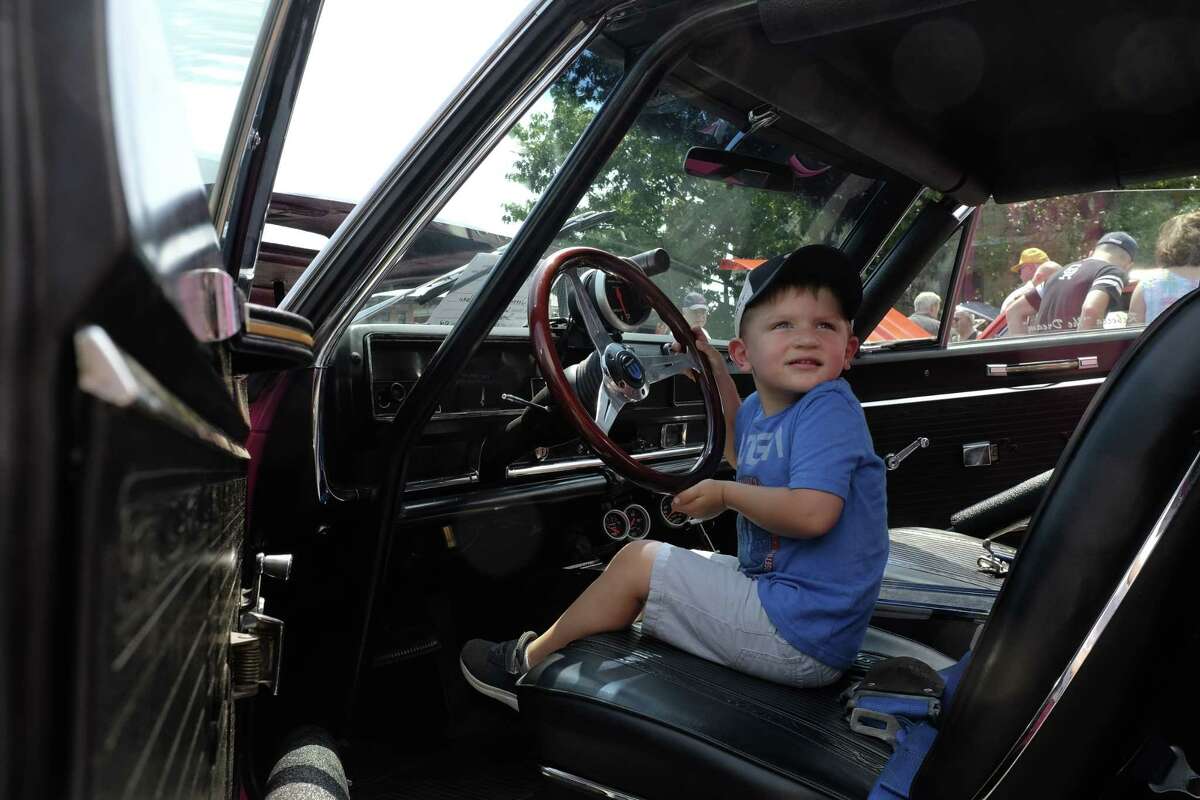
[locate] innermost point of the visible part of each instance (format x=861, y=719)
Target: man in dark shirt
x=1079, y=294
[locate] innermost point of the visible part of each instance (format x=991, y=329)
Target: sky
x=377, y=71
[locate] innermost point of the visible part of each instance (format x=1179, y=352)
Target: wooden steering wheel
x=626, y=375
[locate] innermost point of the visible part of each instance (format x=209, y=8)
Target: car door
x=964, y=414
x=123, y=459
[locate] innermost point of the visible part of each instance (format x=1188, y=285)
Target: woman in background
x=1178, y=255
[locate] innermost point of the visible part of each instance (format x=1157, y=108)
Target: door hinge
x=256, y=648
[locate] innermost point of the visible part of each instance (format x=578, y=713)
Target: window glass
x=715, y=232
x=376, y=73
x=210, y=45
x=1079, y=262
x=641, y=200
x=918, y=313
x=435, y=280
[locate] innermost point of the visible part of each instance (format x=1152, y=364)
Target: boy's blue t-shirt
x=818, y=593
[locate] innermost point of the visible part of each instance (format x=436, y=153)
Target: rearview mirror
x=735, y=169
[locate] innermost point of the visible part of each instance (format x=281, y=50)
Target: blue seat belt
x=914, y=738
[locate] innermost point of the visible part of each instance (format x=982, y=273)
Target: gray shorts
x=702, y=603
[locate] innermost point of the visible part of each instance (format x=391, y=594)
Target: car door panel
x=128, y=525
x=948, y=397
x=162, y=495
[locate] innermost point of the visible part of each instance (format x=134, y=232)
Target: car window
x=436, y=278
x=210, y=45
x=919, y=312
x=715, y=232
x=643, y=199
x=1099, y=260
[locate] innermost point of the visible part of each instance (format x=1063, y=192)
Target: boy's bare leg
x=611, y=603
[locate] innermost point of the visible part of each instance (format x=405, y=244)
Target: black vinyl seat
x=628, y=711
x=932, y=571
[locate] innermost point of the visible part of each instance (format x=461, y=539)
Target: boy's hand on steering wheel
x=705, y=348
x=703, y=501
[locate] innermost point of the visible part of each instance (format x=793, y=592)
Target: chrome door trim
x=111, y=376
x=584, y=786
x=211, y=304
x=1054, y=365
x=933, y=398
x=1186, y=485
x=330, y=331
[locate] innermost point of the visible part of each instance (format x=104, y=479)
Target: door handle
x=1025, y=367
x=892, y=460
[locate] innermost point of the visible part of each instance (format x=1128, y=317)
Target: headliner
x=1014, y=99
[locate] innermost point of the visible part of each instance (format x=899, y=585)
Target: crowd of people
x=1086, y=294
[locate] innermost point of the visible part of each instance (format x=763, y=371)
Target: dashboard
x=495, y=427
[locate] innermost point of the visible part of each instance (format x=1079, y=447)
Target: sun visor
x=787, y=21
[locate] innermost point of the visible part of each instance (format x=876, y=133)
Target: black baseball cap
x=1122, y=240
x=813, y=266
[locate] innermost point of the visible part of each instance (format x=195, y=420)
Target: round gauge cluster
x=621, y=306
x=631, y=522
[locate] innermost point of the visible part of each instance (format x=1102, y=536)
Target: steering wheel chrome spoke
x=667, y=365
x=599, y=335
x=609, y=403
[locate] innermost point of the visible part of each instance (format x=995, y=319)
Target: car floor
x=441, y=742
x=496, y=766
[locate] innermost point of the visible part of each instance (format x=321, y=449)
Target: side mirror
x=735, y=169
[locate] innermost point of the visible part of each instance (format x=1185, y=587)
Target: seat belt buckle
x=876, y=724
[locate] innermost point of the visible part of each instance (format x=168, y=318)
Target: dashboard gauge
x=616, y=524
x=621, y=306
x=639, y=521
x=676, y=519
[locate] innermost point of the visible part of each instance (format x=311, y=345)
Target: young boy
x=812, y=521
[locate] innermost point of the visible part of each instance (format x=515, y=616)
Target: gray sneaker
x=493, y=667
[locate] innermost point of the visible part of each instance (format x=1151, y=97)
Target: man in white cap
x=695, y=310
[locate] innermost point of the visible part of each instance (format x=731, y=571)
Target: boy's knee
x=635, y=560
x=634, y=553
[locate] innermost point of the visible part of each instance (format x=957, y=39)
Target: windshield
x=642, y=199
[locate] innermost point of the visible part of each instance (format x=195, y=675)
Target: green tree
x=655, y=204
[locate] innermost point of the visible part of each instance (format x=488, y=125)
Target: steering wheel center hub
x=622, y=367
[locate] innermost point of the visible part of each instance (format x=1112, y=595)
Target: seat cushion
x=629, y=712
x=931, y=571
